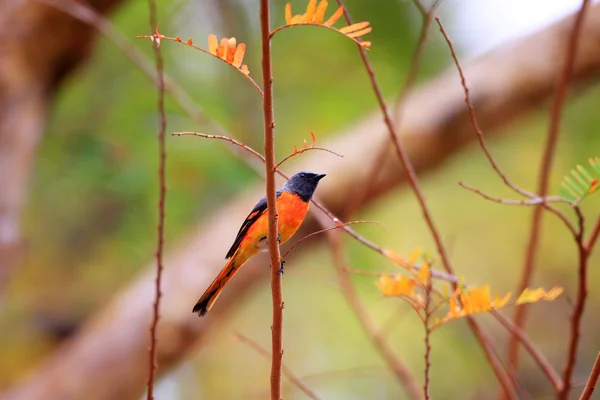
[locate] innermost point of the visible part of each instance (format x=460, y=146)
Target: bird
x=292, y=205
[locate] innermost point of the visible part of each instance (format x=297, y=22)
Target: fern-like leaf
x=581, y=183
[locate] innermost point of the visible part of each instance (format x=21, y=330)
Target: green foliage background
x=90, y=222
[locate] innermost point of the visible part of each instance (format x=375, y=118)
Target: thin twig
x=576, y=318
x=162, y=156
x=305, y=150
x=483, y=146
x=589, y=246
x=474, y=122
x=513, y=202
x=276, y=284
x=222, y=137
x=339, y=225
x=482, y=337
x=293, y=378
x=560, y=94
x=590, y=385
x=426, y=321
x=356, y=201
x=398, y=368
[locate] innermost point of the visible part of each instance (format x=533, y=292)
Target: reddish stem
x=562, y=86
x=482, y=337
x=590, y=385
x=162, y=156
x=276, y=285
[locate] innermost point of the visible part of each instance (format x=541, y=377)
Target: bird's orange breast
x=291, y=211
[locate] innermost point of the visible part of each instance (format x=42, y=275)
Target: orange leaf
x=593, y=186
x=320, y=13
x=314, y=139
x=359, y=33
x=310, y=11
x=244, y=69
x=222, y=49
x=239, y=55
x=336, y=15
x=297, y=19
x=354, y=27
x=212, y=44
x=230, y=50
x=190, y=42
x=295, y=150
x=178, y=38
x=288, y=14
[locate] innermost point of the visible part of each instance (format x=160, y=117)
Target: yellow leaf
x=479, y=299
x=320, y=13
x=501, y=302
x=230, y=50
x=336, y=15
x=310, y=11
x=365, y=44
x=239, y=55
x=530, y=295
x=244, y=69
x=359, y=33
x=354, y=27
x=212, y=44
x=553, y=293
x=399, y=286
x=288, y=14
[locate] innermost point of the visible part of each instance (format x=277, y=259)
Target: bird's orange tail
x=214, y=290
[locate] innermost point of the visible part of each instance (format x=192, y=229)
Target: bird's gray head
x=303, y=184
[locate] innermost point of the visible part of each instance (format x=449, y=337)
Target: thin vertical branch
x=562, y=86
x=590, y=385
x=482, y=337
x=276, y=285
x=365, y=187
x=589, y=246
x=398, y=368
x=162, y=156
x=295, y=379
x=426, y=321
x=582, y=292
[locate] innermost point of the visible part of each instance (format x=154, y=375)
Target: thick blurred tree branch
x=506, y=83
x=40, y=46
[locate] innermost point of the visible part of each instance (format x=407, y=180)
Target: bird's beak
x=319, y=177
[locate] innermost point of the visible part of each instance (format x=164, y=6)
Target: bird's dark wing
x=255, y=214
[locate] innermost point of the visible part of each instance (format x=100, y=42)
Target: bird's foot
x=280, y=272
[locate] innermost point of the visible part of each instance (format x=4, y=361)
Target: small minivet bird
x=292, y=205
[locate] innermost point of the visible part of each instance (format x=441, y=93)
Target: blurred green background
x=90, y=222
